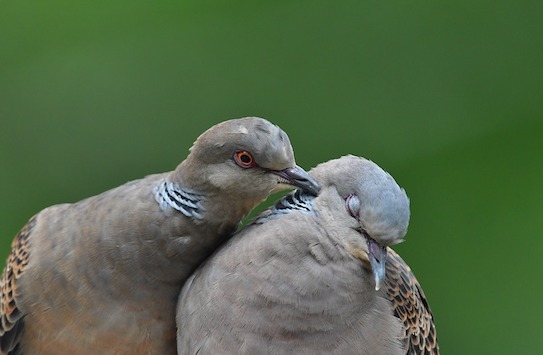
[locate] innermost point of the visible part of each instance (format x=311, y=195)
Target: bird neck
x=192, y=176
x=170, y=195
x=186, y=190
x=294, y=201
x=190, y=185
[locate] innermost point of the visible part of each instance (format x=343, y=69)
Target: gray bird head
x=365, y=199
x=248, y=156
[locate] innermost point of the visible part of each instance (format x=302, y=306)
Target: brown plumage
x=11, y=317
x=102, y=275
x=410, y=305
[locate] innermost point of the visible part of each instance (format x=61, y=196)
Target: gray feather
x=299, y=280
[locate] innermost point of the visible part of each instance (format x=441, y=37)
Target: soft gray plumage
x=103, y=275
x=302, y=278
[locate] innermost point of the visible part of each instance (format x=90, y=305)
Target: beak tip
x=378, y=283
x=377, y=256
x=312, y=188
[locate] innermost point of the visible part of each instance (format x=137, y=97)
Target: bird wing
x=410, y=306
x=11, y=327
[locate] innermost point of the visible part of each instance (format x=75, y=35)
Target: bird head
x=248, y=156
x=367, y=202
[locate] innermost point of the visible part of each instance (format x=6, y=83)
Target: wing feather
x=12, y=319
x=410, y=305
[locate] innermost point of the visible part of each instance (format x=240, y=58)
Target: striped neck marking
x=170, y=195
x=295, y=201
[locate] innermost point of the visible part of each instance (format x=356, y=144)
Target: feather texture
x=410, y=306
x=102, y=275
x=12, y=318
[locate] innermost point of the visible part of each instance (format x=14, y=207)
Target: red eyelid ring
x=244, y=159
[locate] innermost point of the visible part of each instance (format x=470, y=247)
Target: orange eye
x=244, y=159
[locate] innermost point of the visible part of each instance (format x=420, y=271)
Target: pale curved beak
x=299, y=178
x=378, y=256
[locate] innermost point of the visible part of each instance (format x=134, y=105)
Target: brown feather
x=11, y=327
x=410, y=306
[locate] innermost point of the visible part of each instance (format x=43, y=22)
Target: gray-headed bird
x=313, y=275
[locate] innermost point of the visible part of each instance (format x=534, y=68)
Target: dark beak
x=298, y=177
x=378, y=257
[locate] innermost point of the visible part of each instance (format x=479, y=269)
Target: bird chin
x=282, y=186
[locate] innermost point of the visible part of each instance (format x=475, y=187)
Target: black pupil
x=245, y=158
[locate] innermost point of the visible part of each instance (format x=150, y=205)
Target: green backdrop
x=446, y=96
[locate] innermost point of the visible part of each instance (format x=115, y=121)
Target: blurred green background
x=446, y=96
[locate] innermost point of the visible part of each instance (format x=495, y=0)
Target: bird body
x=98, y=272
x=103, y=275
x=293, y=295
x=302, y=278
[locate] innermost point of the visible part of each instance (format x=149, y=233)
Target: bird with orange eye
x=244, y=159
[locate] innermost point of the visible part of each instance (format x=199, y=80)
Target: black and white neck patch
x=295, y=201
x=170, y=195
